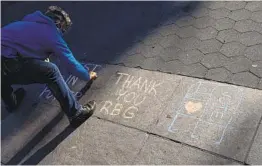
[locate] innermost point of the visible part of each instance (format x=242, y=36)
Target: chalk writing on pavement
x=131, y=92
x=207, y=108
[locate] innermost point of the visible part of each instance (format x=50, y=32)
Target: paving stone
x=214, y=60
x=209, y=46
x=134, y=60
x=204, y=22
x=219, y=13
x=195, y=117
x=228, y=35
x=168, y=30
x=250, y=38
x=246, y=25
x=260, y=84
x=152, y=51
x=235, y=5
x=19, y=128
x=196, y=70
x=152, y=39
x=153, y=63
x=173, y=67
x=254, y=6
x=200, y=12
x=91, y=143
x=233, y=49
x=187, y=32
x=191, y=56
x=131, y=96
x=224, y=23
x=185, y=21
x=190, y=43
x=171, y=40
x=206, y=33
x=257, y=16
x=215, y=5
x=170, y=53
x=238, y=64
x=158, y=151
x=254, y=52
x=241, y=14
x=255, y=157
x=134, y=49
x=245, y=79
x=218, y=74
x=256, y=68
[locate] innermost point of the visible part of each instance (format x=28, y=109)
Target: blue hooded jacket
x=36, y=36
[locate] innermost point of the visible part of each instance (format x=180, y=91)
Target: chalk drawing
x=207, y=103
x=71, y=81
x=131, y=92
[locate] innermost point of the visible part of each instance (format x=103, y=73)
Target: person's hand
x=93, y=75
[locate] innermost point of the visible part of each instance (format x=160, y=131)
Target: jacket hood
x=38, y=17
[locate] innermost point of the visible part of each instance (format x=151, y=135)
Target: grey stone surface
x=213, y=116
x=228, y=35
x=257, y=16
x=214, y=60
x=168, y=30
x=254, y=6
x=152, y=51
x=250, y=38
x=233, y=49
x=246, y=25
x=204, y=22
x=185, y=21
x=19, y=128
x=215, y=5
x=224, y=23
x=98, y=142
x=190, y=43
x=241, y=14
x=131, y=96
x=207, y=33
x=255, y=155
x=254, y=52
x=218, y=74
x=153, y=63
x=152, y=38
x=238, y=64
x=191, y=56
x=235, y=5
x=196, y=70
x=170, y=53
x=219, y=13
x=245, y=78
x=256, y=68
x=200, y=12
x=158, y=151
x=210, y=46
x=173, y=67
x=260, y=84
x=171, y=40
x=189, y=31
x=134, y=60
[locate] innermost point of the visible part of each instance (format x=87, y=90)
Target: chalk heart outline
x=193, y=107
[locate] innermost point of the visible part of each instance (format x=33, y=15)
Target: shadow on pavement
x=101, y=33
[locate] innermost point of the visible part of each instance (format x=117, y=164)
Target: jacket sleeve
x=65, y=56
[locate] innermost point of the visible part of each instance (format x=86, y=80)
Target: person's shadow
x=50, y=146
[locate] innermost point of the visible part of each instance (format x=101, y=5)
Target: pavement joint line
x=253, y=139
x=203, y=78
x=173, y=140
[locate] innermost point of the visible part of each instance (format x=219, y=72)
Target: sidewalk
x=186, y=90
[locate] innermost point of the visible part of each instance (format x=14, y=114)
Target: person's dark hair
x=60, y=17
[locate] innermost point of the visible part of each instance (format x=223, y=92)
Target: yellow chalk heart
x=192, y=107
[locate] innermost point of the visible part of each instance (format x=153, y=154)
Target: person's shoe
x=83, y=114
x=17, y=99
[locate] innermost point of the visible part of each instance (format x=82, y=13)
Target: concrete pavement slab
x=20, y=128
x=213, y=116
x=255, y=154
x=131, y=97
x=98, y=142
x=159, y=151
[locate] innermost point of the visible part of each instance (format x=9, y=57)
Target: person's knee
x=52, y=70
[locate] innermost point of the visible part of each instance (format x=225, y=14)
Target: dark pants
x=30, y=71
